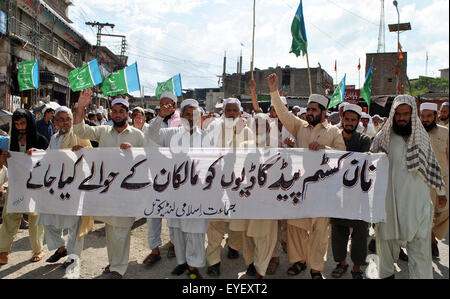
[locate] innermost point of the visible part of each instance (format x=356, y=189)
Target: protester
x=231, y=132
x=377, y=122
x=314, y=134
x=54, y=225
x=260, y=236
x=439, y=140
x=367, y=123
x=138, y=119
x=409, y=210
x=340, y=228
x=44, y=126
x=443, y=115
x=167, y=117
x=188, y=235
x=25, y=139
x=118, y=229
x=149, y=115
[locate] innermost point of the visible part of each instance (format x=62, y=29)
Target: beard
x=402, y=130
x=429, y=127
x=120, y=123
x=348, y=131
x=443, y=118
x=314, y=120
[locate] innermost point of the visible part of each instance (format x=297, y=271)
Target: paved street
x=94, y=259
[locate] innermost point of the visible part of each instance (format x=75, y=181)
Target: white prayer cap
x=296, y=107
x=188, y=103
x=355, y=108
x=319, y=99
x=168, y=95
x=98, y=111
x=150, y=111
x=232, y=101
x=119, y=101
x=63, y=109
x=445, y=104
x=302, y=111
x=429, y=106
x=377, y=116
x=364, y=115
x=157, y=108
x=262, y=116
x=246, y=115
x=139, y=109
x=50, y=105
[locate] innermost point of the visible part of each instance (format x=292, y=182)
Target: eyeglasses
x=67, y=119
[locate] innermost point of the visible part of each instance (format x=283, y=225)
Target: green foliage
x=428, y=84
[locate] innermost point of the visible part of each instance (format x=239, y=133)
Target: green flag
x=338, y=95
x=28, y=75
x=123, y=81
x=366, y=91
x=85, y=77
x=173, y=86
x=299, y=42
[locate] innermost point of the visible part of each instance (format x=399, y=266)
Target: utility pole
x=99, y=29
x=36, y=36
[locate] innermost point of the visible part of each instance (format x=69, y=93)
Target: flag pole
x=359, y=73
x=253, y=41
x=309, y=74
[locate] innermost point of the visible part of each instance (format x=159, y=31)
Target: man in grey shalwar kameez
x=409, y=210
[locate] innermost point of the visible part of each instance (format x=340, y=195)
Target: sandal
x=57, y=256
x=296, y=268
x=316, y=275
x=107, y=270
x=273, y=265
x=339, y=270
x=251, y=270
x=214, y=270
x=37, y=257
x=179, y=269
x=3, y=258
x=171, y=251
x=152, y=258
x=357, y=275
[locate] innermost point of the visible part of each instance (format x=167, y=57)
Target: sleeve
x=289, y=121
x=365, y=144
x=154, y=130
x=85, y=131
x=338, y=141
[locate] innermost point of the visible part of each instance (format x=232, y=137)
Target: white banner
x=202, y=183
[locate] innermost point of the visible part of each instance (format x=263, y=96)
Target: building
x=444, y=73
x=384, y=77
x=60, y=49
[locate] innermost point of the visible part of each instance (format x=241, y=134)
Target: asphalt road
x=94, y=259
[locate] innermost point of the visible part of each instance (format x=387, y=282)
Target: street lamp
x=397, y=28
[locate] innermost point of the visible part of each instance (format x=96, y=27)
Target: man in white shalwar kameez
x=54, y=225
x=188, y=235
x=118, y=229
x=409, y=210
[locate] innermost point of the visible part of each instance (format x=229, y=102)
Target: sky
x=167, y=37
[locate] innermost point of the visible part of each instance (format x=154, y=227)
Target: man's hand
x=84, y=99
x=30, y=151
x=77, y=148
x=442, y=201
x=314, y=146
x=272, y=79
x=125, y=146
x=289, y=141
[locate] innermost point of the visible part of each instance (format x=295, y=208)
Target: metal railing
x=25, y=32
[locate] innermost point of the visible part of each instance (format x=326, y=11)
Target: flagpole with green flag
x=338, y=95
x=299, y=41
x=366, y=91
x=253, y=41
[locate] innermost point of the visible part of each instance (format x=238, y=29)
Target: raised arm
x=289, y=121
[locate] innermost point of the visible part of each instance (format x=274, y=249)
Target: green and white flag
x=28, y=75
x=366, y=91
x=123, y=81
x=338, y=95
x=173, y=85
x=299, y=42
x=85, y=77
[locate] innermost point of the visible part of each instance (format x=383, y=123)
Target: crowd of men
x=415, y=141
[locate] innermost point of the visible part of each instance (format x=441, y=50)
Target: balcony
x=24, y=32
